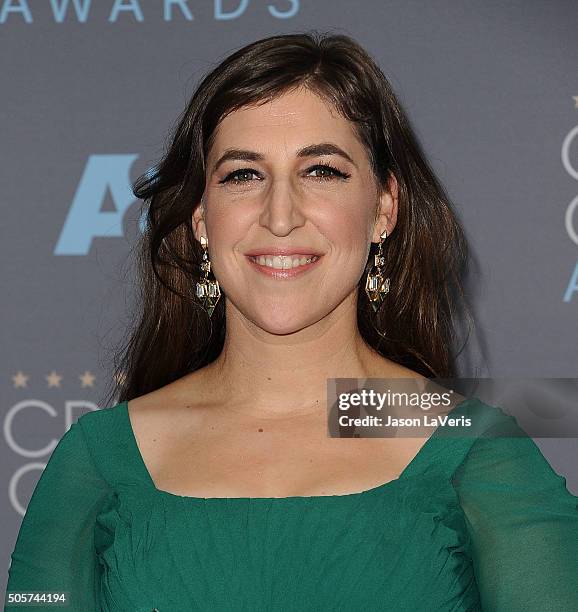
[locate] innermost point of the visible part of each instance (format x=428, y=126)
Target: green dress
x=475, y=522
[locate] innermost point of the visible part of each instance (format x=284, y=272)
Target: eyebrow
x=314, y=150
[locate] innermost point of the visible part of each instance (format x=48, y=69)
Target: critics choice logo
x=33, y=426
x=569, y=161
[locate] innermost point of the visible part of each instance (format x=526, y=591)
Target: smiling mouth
x=283, y=262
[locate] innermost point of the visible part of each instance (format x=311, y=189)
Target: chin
x=283, y=322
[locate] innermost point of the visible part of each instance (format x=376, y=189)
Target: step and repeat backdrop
x=90, y=90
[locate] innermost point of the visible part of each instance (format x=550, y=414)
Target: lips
x=301, y=251
x=282, y=272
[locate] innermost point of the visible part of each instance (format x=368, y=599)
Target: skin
x=285, y=338
x=264, y=396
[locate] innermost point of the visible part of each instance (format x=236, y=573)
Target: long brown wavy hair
x=425, y=256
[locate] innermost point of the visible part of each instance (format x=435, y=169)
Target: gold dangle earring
x=208, y=291
x=376, y=286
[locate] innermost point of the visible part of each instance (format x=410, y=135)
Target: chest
x=274, y=460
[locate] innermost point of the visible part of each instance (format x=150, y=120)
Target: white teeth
x=282, y=262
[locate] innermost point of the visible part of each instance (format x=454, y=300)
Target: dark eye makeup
x=335, y=173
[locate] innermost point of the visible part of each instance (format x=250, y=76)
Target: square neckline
x=136, y=453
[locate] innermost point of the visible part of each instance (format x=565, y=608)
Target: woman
x=213, y=485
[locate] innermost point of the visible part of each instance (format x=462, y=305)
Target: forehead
x=290, y=120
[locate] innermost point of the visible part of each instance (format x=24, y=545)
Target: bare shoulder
x=385, y=368
x=164, y=412
x=379, y=366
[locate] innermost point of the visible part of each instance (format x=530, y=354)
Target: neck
x=266, y=375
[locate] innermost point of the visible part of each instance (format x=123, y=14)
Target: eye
x=242, y=172
x=327, y=168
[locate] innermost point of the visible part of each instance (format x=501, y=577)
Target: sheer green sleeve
x=54, y=549
x=522, y=522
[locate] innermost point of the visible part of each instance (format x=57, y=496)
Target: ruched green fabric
x=476, y=522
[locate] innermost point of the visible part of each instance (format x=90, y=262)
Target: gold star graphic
x=53, y=379
x=20, y=379
x=87, y=379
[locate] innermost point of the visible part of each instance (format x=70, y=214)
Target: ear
x=386, y=212
x=199, y=227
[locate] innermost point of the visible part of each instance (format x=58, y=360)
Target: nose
x=282, y=209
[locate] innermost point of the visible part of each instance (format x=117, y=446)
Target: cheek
x=226, y=229
x=347, y=230
x=359, y=226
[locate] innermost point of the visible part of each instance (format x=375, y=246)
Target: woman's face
x=290, y=175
